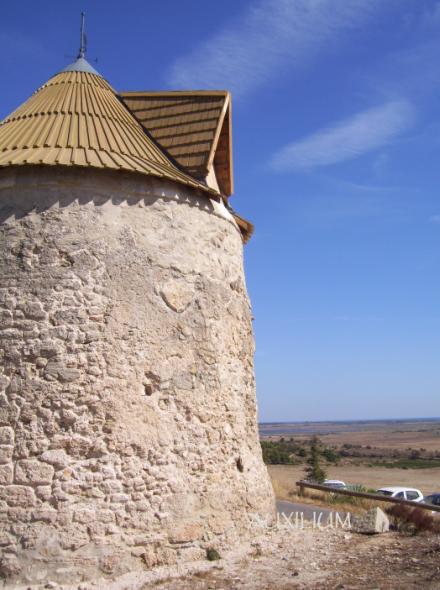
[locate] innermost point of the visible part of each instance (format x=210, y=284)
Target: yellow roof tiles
x=76, y=119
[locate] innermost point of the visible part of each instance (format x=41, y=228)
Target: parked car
x=433, y=499
x=401, y=493
x=335, y=483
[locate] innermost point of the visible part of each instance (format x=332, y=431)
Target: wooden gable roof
x=193, y=127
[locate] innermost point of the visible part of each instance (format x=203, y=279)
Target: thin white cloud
x=269, y=36
x=336, y=210
x=434, y=219
x=349, y=139
x=359, y=187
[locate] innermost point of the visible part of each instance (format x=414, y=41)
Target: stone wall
x=128, y=433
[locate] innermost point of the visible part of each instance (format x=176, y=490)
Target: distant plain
x=371, y=453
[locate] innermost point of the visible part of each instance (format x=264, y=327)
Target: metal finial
x=81, y=65
x=83, y=39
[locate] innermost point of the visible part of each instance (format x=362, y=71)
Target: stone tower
x=128, y=431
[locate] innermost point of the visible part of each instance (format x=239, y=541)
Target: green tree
x=276, y=453
x=330, y=455
x=314, y=471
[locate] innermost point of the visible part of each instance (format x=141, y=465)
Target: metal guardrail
x=378, y=497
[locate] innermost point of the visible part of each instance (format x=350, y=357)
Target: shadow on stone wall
x=21, y=190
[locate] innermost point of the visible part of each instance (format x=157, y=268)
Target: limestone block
x=6, y=539
x=20, y=496
x=4, y=382
x=183, y=380
x=119, y=498
x=177, y=295
x=6, y=435
x=44, y=493
x=56, y=370
x=183, y=533
x=8, y=412
x=6, y=474
x=6, y=453
x=105, y=516
x=46, y=515
x=371, y=522
x=50, y=348
x=17, y=516
x=56, y=457
x=148, y=554
x=32, y=472
x=73, y=537
x=9, y=565
x=34, y=310
x=68, y=417
x=111, y=485
x=219, y=523
x=84, y=516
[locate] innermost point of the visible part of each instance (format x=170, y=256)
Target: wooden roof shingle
x=193, y=127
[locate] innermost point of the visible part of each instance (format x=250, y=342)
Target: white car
x=335, y=483
x=400, y=493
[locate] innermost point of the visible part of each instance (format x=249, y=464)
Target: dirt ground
x=427, y=480
x=289, y=557
x=322, y=560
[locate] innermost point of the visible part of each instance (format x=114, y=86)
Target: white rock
x=373, y=521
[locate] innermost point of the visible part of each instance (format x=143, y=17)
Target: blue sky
x=336, y=122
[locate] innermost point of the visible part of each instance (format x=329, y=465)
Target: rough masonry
x=128, y=431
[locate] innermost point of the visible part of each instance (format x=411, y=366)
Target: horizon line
x=341, y=421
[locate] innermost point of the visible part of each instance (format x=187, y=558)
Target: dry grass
x=285, y=491
x=427, y=480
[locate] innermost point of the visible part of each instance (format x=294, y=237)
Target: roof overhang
x=193, y=127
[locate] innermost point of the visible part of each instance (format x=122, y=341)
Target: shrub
x=330, y=455
x=412, y=520
x=212, y=554
x=276, y=452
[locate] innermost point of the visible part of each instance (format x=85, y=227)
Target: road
x=307, y=509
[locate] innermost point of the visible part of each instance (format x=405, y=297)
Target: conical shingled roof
x=76, y=119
